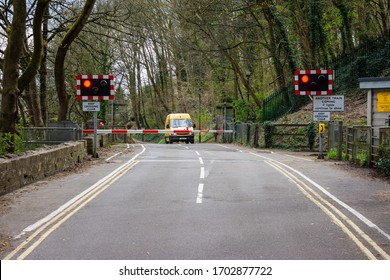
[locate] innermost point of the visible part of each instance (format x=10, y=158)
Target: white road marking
x=335, y=199
x=202, y=173
x=200, y=194
x=78, y=197
x=321, y=203
x=111, y=157
x=201, y=160
x=197, y=153
x=305, y=190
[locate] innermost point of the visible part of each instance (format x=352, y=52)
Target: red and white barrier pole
x=152, y=131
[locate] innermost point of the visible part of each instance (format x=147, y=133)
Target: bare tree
x=59, y=71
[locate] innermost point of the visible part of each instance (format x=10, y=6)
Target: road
x=207, y=201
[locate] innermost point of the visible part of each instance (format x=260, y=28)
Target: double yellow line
x=341, y=220
x=39, y=235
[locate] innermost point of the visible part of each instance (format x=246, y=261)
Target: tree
x=13, y=84
x=59, y=70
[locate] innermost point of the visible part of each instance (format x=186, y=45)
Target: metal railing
x=37, y=136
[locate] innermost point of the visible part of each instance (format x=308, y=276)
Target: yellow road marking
x=69, y=212
x=321, y=202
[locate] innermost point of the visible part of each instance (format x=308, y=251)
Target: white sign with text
x=330, y=103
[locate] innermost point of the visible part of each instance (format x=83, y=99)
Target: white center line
x=200, y=194
x=202, y=173
x=197, y=153
x=201, y=160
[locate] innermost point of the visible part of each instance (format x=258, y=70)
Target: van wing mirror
x=167, y=126
x=194, y=125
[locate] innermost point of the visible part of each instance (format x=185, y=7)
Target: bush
x=332, y=154
x=383, y=162
x=10, y=143
x=362, y=158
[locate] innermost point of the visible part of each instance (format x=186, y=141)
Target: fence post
x=256, y=136
x=340, y=142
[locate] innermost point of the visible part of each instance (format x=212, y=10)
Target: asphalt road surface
x=205, y=201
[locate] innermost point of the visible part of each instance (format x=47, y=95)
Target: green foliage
x=299, y=140
x=332, y=153
x=245, y=111
x=383, y=162
x=10, y=143
x=268, y=132
x=150, y=138
x=362, y=158
x=206, y=119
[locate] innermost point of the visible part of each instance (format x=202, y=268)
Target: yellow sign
x=383, y=104
x=321, y=128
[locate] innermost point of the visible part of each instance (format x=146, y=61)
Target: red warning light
x=87, y=83
x=305, y=79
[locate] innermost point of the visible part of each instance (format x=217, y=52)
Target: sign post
x=95, y=108
x=95, y=155
x=321, y=131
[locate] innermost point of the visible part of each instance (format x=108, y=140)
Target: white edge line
x=117, y=154
x=79, y=196
x=346, y=206
x=111, y=157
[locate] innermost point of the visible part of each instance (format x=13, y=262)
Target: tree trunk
x=133, y=90
x=12, y=54
x=346, y=33
x=178, y=69
x=151, y=75
x=35, y=63
x=34, y=103
x=59, y=64
x=43, y=69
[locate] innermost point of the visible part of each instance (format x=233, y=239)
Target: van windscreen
x=181, y=123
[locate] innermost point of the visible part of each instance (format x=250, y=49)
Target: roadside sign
x=331, y=103
x=383, y=104
x=91, y=106
x=321, y=116
x=321, y=128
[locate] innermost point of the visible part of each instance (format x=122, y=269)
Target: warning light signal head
x=87, y=83
x=313, y=82
x=95, y=87
x=305, y=79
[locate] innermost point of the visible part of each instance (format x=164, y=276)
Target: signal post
x=91, y=89
x=316, y=83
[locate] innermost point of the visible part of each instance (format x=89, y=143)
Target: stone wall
x=35, y=165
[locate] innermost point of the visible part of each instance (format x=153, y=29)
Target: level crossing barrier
x=153, y=131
